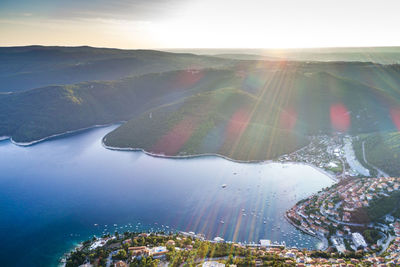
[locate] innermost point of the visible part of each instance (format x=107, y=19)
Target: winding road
x=380, y=172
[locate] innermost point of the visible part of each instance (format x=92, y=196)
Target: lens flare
x=395, y=114
x=237, y=124
x=171, y=143
x=288, y=119
x=340, y=117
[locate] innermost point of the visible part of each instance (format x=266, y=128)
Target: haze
x=200, y=24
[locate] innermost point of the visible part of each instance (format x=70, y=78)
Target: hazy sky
x=200, y=23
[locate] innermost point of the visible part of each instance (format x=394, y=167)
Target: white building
x=358, y=240
x=265, y=243
x=218, y=239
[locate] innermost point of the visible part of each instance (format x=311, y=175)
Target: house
x=120, y=264
x=170, y=243
x=139, y=251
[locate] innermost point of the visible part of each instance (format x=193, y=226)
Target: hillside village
x=344, y=214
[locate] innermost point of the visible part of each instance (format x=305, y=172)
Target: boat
x=224, y=185
x=222, y=222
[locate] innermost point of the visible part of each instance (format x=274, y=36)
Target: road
x=380, y=172
x=352, y=159
x=387, y=243
x=321, y=210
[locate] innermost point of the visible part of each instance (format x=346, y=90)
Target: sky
x=154, y=24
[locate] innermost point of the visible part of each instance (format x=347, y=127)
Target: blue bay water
x=53, y=193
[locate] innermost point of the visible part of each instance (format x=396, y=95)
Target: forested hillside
x=187, y=104
x=383, y=151
x=42, y=112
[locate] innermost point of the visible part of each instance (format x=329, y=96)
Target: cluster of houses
x=333, y=208
x=293, y=256
x=302, y=257
x=359, y=192
x=290, y=256
x=322, y=151
x=394, y=248
x=143, y=251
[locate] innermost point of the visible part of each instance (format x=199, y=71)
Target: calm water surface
x=52, y=194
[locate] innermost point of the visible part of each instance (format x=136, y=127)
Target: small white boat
x=224, y=185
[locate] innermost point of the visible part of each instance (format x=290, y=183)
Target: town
x=355, y=214
x=189, y=249
x=358, y=220
x=334, y=154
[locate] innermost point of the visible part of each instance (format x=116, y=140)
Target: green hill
x=217, y=122
x=257, y=122
x=248, y=110
x=39, y=113
x=383, y=151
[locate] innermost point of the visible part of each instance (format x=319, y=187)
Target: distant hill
x=380, y=55
x=247, y=57
x=23, y=68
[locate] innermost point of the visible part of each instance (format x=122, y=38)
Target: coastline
x=26, y=144
x=3, y=138
x=330, y=175
x=301, y=229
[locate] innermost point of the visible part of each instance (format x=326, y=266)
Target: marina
x=101, y=191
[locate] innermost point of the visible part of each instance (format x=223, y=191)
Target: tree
x=121, y=255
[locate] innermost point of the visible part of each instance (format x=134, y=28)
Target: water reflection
x=61, y=188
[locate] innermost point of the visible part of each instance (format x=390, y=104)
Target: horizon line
x=200, y=48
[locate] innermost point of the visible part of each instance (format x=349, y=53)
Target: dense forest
x=185, y=104
x=382, y=150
